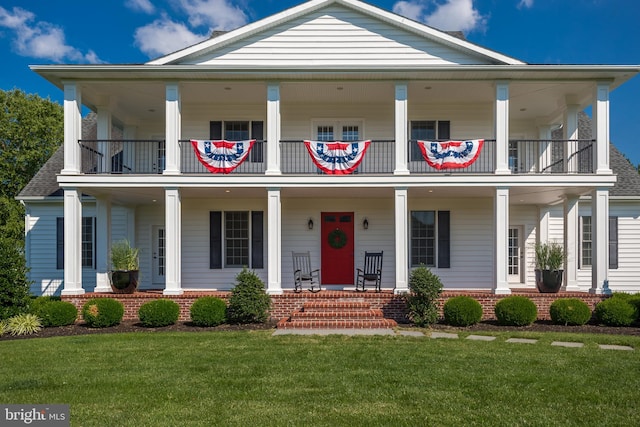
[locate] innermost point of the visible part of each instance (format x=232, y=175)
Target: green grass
x=255, y=379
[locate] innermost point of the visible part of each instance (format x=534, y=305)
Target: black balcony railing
x=524, y=157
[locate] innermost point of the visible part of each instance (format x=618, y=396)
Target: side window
x=88, y=248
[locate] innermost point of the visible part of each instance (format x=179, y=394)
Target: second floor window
x=427, y=130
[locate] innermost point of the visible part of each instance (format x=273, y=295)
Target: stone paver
x=615, y=347
x=480, y=338
x=444, y=335
x=411, y=333
x=522, y=340
x=567, y=344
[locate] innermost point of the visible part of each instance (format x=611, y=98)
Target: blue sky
x=134, y=31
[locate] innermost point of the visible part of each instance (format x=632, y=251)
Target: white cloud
x=39, y=39
x=216, y=14
x=165, y=36
x=450, y=15
x=525, y=3
x=141, y=5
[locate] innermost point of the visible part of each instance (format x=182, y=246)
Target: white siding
x=527, y=217
x=336, y=36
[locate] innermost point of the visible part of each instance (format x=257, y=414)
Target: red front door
x=337, y=248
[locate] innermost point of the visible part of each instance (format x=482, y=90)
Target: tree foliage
x=14, y=287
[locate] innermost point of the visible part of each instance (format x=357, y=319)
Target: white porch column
x=502, y=127
x=571, y=244
x=173, y=235
x=273, y=129
x=402, y=138
x=600, y=125
x=172, y=129
x=72, y=128
x=402, y=237
x=544, y=149
x=501, y=225
x=103, y=134
x=570, y=134
x=600, y=241
x=72, y=242
x=103, y=244
x=542, y=235
x=274, y=241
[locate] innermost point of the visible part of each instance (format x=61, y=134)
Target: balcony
x=146, y=157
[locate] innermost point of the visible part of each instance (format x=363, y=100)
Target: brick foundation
x=392, y=306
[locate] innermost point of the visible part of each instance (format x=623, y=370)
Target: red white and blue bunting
x=451, y=154
x=337, y=158
x=222, y=156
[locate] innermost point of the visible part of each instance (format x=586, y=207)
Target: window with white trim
x=430, y=241
x=427, y=130
x=586, y=242
x=88, y=244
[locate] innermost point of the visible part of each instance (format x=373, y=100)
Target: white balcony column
x=103, y=244
x=570, y=135
x=173, y=235
x=600, y=125
x=571, y=243
x=72, y=242
x=502, y=127
x=273, y=129
x=274, y=241
x=402, y=240
x=501, y=226
x=72, y=128
x=401, y=125
x=545, y=156
x=173, y=108
x=103, y=135
x=600, y=241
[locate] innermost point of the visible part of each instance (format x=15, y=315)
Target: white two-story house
x=335, y=127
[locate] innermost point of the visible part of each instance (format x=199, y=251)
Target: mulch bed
x=134, y=326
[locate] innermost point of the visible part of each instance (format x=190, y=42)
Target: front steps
x=336, y=315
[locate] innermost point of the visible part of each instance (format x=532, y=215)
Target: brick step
x=337, y=314
x=335, y=305
x=337, y=324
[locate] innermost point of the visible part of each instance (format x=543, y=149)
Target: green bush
x=516, y=311
x=102, y=312
x=208, y=311
x=422, y=301
x=615, y=311
x=14, y=286
x=24, y=324
x=57, y=313
x=569, y=311
x=462, y=311
x=161, y=312
x=635, y=301
x=248, y=303
x=4, y=326
x=36, y=303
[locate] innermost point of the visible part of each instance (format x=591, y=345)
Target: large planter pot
x=124, y=282
x=549, y=281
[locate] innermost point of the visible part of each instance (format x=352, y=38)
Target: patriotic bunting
x=451, y=154
x=337, y=158
x=222, y=156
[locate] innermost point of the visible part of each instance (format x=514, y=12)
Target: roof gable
x=335, y=33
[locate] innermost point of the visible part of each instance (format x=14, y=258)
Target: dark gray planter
x=549, y=281
x=124, y=282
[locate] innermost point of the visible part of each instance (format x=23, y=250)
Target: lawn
x=255, y=379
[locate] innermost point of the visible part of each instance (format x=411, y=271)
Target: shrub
x=462, y=311
x=36, y=303
x=102, y=312
x=248, y=303
x=569, y=311
x=4, y=326
x=516, y=311
x=161, y=312
x=208, y=311
x=615, y=312
x=422, y=301
x=24, y=324
x=14, y=286
x=57, y=313
x=635, y=301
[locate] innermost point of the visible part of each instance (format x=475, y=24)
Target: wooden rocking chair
x=372, y=271
x=302, y=273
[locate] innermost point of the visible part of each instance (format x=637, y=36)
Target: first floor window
x=236, y=239
x=586, y=241
x=88, y=244
x=430, y=243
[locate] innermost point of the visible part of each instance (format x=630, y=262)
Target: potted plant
x=124, y=259
x=548, y=269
